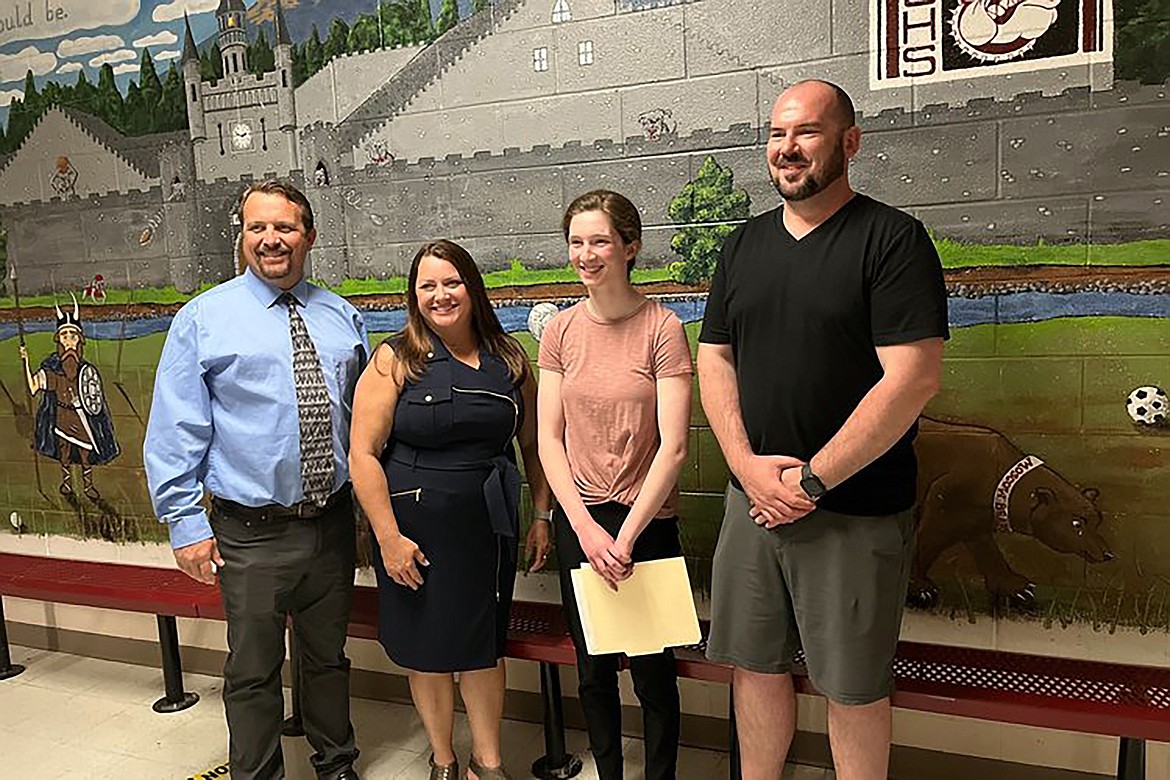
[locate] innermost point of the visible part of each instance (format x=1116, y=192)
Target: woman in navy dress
x=434, y=466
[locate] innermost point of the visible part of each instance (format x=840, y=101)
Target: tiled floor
x=73, y=717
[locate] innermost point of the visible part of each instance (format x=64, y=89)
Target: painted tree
x=136, y=112
x=421, y=25
x=336, y=43
x=174, y=103
x=84, y=95
x=365, y=34
x=708, y=209
x=32, y=97
x=261, y=57
x=152, y=93
x=108, y=101
x=1141, y=43
x=211, y=63
x=448, y=16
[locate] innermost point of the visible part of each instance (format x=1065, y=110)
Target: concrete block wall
x=986, y=172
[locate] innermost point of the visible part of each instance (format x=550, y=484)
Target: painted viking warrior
x=73, y=423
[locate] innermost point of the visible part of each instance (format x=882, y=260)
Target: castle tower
x=193, y=84
x=245, y=124
x=286, y=108
x=233, y=40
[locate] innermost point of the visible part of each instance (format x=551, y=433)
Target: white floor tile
x=76, y=717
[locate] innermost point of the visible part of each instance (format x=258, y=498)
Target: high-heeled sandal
x=487, y=773
x=448, y=772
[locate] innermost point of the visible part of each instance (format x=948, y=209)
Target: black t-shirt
x=803, y=319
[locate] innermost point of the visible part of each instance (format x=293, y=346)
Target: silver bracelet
x=538, y=514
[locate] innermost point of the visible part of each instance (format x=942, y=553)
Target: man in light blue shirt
x=230, y=417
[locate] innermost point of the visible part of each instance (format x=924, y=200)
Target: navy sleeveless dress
x=450, y=465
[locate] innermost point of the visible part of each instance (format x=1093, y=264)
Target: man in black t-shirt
x=821, y=344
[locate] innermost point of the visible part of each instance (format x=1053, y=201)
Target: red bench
x=1125, y=701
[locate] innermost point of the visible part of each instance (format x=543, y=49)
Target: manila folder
x=651, y=610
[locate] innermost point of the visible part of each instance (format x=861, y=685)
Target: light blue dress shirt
x=224, y=416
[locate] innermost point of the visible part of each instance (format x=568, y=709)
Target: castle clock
x=241, y=136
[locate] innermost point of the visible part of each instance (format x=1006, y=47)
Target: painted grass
x=114, y=297
x=954, y=254
x=517, y=275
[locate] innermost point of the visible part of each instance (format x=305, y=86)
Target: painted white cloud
x=175, y=9
x=8, y=95
x=14, y=66
x=121, y=55
x=172, y=54
x=127, y=67
x=61, y=17
x=69, y=67
x=164, y=38
x=76, y=47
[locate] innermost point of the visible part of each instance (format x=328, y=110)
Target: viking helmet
x=67, y=320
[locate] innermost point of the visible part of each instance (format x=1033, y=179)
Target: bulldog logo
x=1001, y=30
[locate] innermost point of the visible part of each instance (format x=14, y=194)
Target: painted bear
x=973, y=484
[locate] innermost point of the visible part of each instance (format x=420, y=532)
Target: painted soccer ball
x=539, y=318
x=1148, y=405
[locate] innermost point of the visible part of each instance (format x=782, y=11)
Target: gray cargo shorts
x=833, y=584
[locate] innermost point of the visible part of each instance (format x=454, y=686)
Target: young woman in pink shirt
x=613, y=408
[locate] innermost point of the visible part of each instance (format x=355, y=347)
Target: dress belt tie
x=501, y=486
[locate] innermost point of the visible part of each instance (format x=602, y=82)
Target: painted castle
x=485, y=134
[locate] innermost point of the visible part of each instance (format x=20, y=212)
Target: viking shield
x=89, y=389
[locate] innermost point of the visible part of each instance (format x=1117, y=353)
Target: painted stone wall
x=1042, y=176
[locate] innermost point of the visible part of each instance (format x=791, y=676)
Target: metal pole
x=7, y=668
x=1131, y=759
x=556, y=764
x=176, y=698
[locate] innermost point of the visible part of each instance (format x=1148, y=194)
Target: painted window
x=585, y=53
x=540, y=59
x=561, y=12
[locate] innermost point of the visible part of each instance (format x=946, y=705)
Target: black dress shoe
x=347, y=774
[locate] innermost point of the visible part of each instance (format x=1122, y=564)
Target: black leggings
x=655, y=678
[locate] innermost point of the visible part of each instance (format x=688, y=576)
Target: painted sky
x=57, y=38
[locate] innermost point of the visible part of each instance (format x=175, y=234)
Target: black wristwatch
x=810, y=483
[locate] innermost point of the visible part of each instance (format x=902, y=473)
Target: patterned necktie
x=313, y=409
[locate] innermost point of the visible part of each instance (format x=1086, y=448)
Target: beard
x=70, y=362
x=811, y=184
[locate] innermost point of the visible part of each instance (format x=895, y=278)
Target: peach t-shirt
x=609, y=395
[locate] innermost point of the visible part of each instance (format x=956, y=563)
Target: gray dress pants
x=274, y=568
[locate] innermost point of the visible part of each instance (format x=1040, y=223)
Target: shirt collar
x=267, y=293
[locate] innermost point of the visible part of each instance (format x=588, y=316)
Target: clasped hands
x=611, y=558
x=772, y=485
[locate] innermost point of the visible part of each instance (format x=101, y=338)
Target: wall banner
x=928, y=41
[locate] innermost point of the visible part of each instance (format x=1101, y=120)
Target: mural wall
x=1032, y=137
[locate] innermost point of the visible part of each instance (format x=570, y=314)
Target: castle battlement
x=634, y=6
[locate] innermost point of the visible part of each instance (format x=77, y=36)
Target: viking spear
x=24, y=353
x=122, y=340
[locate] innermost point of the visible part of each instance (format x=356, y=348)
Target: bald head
x=812, y=138
x=825, y=98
